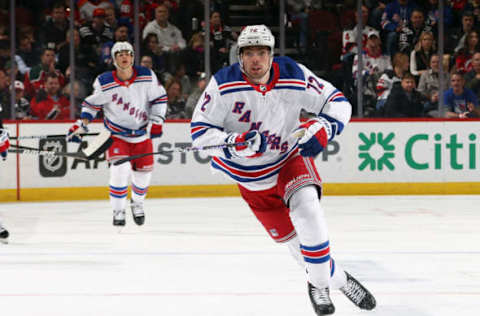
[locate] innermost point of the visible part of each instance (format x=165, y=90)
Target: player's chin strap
x=181, y=150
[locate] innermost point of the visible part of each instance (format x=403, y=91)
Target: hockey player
x=134, y=105
x=259, y=100
x=4, y=145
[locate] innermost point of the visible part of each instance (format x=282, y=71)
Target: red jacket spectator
x=49, y=104
x=35, y=78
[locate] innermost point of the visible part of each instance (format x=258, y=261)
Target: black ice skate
x=137, y=212
x=4, y=235
x=359, y=295
x=320, y=298
x=118, y=217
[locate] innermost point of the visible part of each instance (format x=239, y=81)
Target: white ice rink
x=419, y=255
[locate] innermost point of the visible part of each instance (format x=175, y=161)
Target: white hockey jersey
x=231, y=103
x=127, y=105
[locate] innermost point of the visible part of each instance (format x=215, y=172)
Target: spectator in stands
x=146, y=61
x=151, y=47
x=376, y=11
x=420, y=56
x=79, y=92
x=22, y=106
x=432, y=14
x=474, y=7
x=349, y=37
x=400, y=66
x=95, y=33
x=221, y=37
x=409, y=35
x=169, y=36
x=472, y=78
x=120, y=35
x=429, y=84
x=180, y=76
x=35, y=78
x=463, y=57
x=196, y=94
x=88, y=7
x=111, y=18
x=54, y=30
x=456, y=39
x=25, y=49
x=459, y=100
x=194, y=56
x=4, y=52
x=176, y=103
x=5, y=109
x=458, y=8
x=85, y=66
x=405, y=100
x=396, y=16
x=190, y=13
x=374, y=65
x=9, y=67
x=298, y=11
x=49, y=104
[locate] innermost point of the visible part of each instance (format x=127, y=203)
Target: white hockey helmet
x=120, y=47
x=255, y=35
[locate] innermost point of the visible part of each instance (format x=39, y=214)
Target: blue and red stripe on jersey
x=234, y=86
x=336, y=96
x=197, y=129
x=110, y=86
x=120, y=130
x=91, y=106
x=142, y=79
x=161, y=99
x=251, y=173
x=316, y=254
x=118, y=192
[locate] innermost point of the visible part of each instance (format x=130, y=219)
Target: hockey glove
x=317, y=133
x=257, y=144
x=74, y=132
x=156, y=129
x=4, y=143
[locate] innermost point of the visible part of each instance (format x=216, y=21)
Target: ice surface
x=419, y=255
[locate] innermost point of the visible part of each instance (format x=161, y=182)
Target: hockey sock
x=309, y=221
x=338, y=277
x=119, y=176
x=140, y=183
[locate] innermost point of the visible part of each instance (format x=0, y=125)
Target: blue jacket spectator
x=396, y=14
x=459, y=101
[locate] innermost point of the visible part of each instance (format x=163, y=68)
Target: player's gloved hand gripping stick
x=253, y=144
x=315, y=134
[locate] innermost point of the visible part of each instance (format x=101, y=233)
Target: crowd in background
x=400, y=74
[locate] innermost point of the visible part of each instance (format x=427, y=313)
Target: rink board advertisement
x=368, y=158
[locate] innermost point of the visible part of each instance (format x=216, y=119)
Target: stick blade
x=98, y=145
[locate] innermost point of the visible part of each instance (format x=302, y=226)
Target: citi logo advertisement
x=379, y=151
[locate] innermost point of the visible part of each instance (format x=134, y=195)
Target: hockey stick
x=36, y=151
x=55, y=136
x=180, y=150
